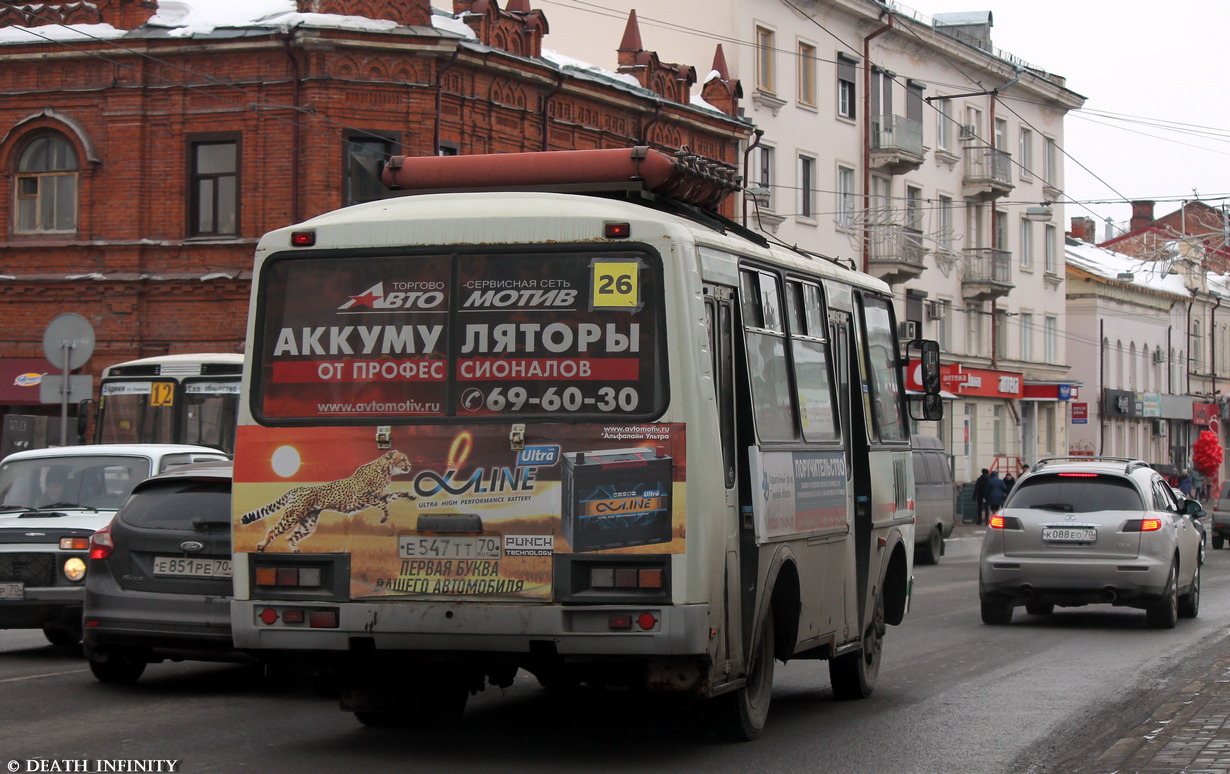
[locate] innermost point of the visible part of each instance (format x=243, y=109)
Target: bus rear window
x=374, y=338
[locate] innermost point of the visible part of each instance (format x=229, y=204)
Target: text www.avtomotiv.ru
x=376, y=407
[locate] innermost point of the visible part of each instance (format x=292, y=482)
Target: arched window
x=46, y=183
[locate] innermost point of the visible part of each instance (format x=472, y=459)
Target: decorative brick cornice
x=516, y=29
x=410, y=13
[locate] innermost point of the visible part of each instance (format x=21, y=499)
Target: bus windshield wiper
x=50, y=506
x=15, y=507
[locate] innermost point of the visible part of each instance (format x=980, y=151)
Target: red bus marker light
x=302, y=238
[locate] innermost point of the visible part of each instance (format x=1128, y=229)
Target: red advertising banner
x=1080, y=413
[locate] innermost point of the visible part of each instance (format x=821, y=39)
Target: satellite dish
x=68, y=341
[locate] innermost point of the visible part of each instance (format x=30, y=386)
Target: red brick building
x=142, y=165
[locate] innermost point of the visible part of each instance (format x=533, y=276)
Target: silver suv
x=1085, y=530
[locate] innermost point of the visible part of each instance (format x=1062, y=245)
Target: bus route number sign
x=615, y=285
x=162, y=394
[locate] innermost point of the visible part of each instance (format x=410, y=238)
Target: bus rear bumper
x=510, y=628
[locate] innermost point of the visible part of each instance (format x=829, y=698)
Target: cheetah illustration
x=367, y=487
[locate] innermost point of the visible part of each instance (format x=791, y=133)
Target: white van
x=934, y=498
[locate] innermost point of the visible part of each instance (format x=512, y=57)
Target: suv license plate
x=192, y=568
x=15, y=590
x=1069, y=534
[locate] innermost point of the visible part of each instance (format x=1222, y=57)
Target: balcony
x=988, y=172
x=987, y=274
x=896, y=253
x=896, y=144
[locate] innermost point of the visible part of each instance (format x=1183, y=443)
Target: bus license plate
x=1069, y=534
x=192, y=568
x=15, y=590
x=470, y=547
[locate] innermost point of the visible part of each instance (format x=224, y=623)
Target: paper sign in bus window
x=615, y=284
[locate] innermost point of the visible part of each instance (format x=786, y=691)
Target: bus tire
x=854, y=675
x=742, y=713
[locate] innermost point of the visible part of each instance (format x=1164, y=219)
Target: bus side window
x=767, y=366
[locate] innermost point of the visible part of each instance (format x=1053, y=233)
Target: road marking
x=37, y=677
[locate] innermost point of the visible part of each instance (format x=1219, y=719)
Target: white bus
x=171, y=399
x=591, y=438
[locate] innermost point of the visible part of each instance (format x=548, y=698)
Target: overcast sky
x=1156, y=121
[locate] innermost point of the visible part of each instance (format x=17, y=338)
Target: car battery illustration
x=616, y=498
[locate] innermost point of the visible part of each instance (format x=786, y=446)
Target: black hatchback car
x=159, y=581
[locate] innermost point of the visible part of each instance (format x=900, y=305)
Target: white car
x=1085, y=530
x=51, y=502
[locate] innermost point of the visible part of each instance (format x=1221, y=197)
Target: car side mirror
x=1193, y=508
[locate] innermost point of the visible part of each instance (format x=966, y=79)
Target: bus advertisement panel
x=466, y=345
x=453, y=511
x=460, y=335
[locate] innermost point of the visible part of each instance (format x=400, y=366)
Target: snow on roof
x=1109, y=264
x=565, y=62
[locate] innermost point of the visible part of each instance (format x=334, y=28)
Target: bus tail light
x=295, y=617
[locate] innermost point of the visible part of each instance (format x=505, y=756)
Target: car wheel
x=854, y=675
x=1189, y=603
x=1164, y=614
x=932, y=549
x=996, y=612
x=742, y=713
x=116, y=667
x=1218, y=542
x=62, y=635
x=1039, y=608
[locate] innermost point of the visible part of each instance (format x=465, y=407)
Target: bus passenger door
x=850, y=399
x=720, y=320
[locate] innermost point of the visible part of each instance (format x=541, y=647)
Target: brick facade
x=289, y=96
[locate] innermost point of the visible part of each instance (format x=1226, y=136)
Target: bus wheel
x=854, y=675
x=741, y=714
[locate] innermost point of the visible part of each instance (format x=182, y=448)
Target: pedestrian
x=995, y=492
x=1185, y=484
x=980, y=495
x=1008, y=482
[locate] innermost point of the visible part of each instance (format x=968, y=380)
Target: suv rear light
x=1142, y=525
x=1004, y=522
x=101, y=544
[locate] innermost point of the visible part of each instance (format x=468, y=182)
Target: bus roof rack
x=1130, y=463
x=684, y=176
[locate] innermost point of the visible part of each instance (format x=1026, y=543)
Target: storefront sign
x=1080, y=413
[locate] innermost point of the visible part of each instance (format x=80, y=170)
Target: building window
x=846, y=93
x=214, y=198
x=1027, y=336
x=1027, y=244
x=365, y=156
x=1194, y=347
x=943, y=326
x=973, y=335
x=807, y=187
x=845, y=197
x=1051, y=160
x=1001, y=333
x=1026, y=153
x=1051, y=333
x=807, y=74
x=946, y=236
x=46, y=184
x=943, y=123
x=765, y=176
x=1048, y=249
x=765, y=59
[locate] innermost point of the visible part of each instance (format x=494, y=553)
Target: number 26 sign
x=615, y=284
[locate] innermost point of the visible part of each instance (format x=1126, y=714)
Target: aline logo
x=407, y=296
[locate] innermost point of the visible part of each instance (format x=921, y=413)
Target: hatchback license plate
x=192, y=568
x=1069, y=534
x=15, y=590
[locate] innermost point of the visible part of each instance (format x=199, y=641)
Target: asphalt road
x=1038, y=696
